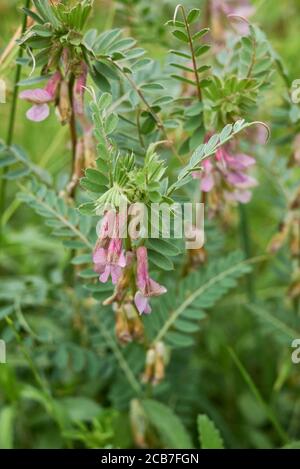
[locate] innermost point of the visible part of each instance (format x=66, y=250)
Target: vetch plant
x=124, y=309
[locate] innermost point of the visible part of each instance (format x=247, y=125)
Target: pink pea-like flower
x=40, y=97
x=228, y=171
x=146, y=286
x=109, y=256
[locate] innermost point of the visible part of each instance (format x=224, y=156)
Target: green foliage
x=154, y=95
x=167, y=424
x=196, y=294
x=209, y=435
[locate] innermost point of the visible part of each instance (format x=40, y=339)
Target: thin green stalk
x=38, y=378
x=269, y=412
x=12, y=117
x=246, y=243
x=119, y=356
x=41, y=382
x=154, y=115
x=191, y=45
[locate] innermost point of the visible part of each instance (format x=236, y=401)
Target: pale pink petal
x=148, y=308
x=38, y=112
x=238, y=196
x=104, y=276
x=38, y=96
x=207, y=183
x=245, y=160
x=52, y=85
x=141, y=302
x=99, y=256
x=99, y=268
x=116, y=273
x=243, y=196
x=236, y=178
x=248, y=183
x=156, y=289
x=122, y=260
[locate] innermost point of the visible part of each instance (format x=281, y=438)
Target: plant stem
x=252, y=386
x=246, y=243
x=12, y=117
x=187, y=27
x=119, y=356
x=155, y=116
x=73, y=132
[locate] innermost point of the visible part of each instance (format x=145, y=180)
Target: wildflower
x=40, y=97
x=227, y=175
x=232, y=7
x=109, y=257
x=146, y=286
x=220, y=9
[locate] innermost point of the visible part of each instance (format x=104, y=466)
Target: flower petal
x=207, y=183
x=38, y=112
x=37, y=96
x=104, y=276
x=141, y=302
x=156, y=289
x=99, y=256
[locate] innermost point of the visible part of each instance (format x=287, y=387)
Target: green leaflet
x=209, y=435
x=167, y=424
x=206, y=150
x=197, y=292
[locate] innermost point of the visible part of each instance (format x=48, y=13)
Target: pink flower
x=40, y=97
x=79, y=89
x=206, y=177
x=109, y=257
x=224, y=8
x=228, y=173
x=110, y=262
x=233, y=7
x=146, y=286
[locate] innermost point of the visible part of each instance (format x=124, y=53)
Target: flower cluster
x=110, y=260
x=226, y=176
x=109, y=256
x=147, y=287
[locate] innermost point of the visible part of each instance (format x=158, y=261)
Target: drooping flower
x=40, y=97
x=146, y=286
x=109, y=256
